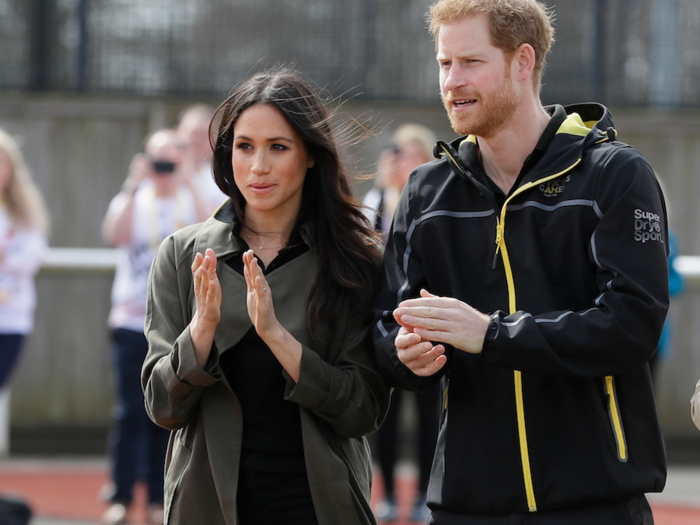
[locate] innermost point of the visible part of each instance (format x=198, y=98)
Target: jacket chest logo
x=555, y=187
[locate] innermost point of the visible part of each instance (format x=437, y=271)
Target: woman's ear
x=311, y=163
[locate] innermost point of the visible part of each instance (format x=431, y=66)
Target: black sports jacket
x=558, y=410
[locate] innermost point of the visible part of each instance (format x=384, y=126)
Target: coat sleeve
x=171, y=378
x=344, y=388
x=628, y=255
x=402, y=278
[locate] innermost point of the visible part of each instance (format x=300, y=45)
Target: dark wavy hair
x=347, y=246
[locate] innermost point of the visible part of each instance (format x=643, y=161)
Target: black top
x=272, y=440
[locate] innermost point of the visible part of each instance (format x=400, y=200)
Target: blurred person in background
x=412, y=146
x=675, y=288
x=23, y=246
x=695, y=406
x=257, y=326
x=193, y=139
x=154, y=202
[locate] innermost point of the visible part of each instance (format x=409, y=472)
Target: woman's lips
x=261, y=189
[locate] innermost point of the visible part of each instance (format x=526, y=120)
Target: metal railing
x=79, y=259
x=105, y=260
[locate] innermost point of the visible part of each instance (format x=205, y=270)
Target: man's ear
x=525, y=59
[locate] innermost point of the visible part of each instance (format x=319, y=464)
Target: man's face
x=476, y=78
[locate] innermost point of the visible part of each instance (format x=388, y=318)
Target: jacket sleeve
x=628, y=255
x=402, y=278
x=344, y=389
x=171, y=378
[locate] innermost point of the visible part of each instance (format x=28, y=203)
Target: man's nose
x=453, y=78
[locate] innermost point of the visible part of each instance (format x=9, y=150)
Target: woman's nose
x=260, y=165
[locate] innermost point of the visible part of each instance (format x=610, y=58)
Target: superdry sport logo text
x=647, y=226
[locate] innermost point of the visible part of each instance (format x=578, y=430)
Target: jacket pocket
x=616, y=419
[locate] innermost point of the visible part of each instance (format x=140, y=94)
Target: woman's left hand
x=259, y=297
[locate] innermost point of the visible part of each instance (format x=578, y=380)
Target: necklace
x=278, y=247
x=259, y=245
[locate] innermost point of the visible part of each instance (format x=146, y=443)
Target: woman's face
x=269, y=162
x=5, y=171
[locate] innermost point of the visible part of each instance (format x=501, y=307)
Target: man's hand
x=420, y=356
x=444, y=319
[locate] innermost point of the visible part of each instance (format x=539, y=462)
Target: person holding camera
x=155, y=201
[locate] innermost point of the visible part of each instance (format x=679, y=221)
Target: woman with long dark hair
x=257, y=325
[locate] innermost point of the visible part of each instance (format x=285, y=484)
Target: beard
x=495, y=111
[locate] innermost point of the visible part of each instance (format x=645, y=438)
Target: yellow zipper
x=615, y=418
x=517, y=375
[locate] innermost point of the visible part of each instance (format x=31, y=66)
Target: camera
x=163, y=166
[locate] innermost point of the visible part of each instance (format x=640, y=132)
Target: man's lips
x=462, y=102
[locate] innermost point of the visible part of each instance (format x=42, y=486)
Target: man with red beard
x=526, y=270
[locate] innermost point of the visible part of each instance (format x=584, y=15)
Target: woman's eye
x=279, y=147
x=243, y=145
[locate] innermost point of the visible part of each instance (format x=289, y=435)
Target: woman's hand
x=207, y=291
x=259, y=298
x=138, y=172
x=286, y=349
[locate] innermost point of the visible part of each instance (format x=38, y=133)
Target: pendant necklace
x=278, y=247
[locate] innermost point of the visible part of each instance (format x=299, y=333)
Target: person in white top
x=155, y=201
x=23, y=246
x=194, y=141
x=412, y=145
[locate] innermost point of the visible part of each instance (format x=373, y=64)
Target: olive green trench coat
x=340, y=395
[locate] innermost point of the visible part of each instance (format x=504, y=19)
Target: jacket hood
x=584, y=125
x=582, y=120
x=593, y=115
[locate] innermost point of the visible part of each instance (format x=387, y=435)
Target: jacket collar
x=584, y=126
x=217, y=233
